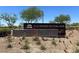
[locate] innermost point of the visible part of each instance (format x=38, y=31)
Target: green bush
x=72, y=27
x=7, y=28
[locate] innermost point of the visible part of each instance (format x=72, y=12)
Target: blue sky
x=50, y=12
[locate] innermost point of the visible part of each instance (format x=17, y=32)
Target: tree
x=75, y=24
x=10, y=19
x=20, y=26
x=62, y=19
x=32, y=14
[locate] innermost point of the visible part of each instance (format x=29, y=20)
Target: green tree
x=32, y=14
x=75, y=24
x=62, y=19
x=10, y=19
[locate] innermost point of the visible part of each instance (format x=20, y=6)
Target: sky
x=50, y=12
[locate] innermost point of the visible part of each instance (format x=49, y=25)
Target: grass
x=72, y=27
x=2, y=29
x=43, y=47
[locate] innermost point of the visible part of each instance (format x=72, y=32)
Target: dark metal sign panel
x=44, y=26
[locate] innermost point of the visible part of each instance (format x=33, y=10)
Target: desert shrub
x=65, y=51
x=63, y=42
x=20, y=39
x=26, y=46
x=54, y=42
x=43, y=47
x=23, y=38
x=36, y=39
x=77, y=51
x=77, y=44
x=53, y=39
x=38, y=43
x=9, y=46
x=71, y=42
x=19, y=43
x=66, y=37
x=26, y=42
x=72, y=27
x=59, y=40
x=9, y=39
x=44, y=39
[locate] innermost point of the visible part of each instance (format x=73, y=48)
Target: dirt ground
x=48, y=45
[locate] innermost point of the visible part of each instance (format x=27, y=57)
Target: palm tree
x=32, y=14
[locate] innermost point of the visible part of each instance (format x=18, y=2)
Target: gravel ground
x=59, y=45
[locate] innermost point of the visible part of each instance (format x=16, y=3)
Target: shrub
x=54, y=42
x=23, y=38
x=44, y=39
x=43, y=47
x=65, y=51
x=53, y=38
x=38, y=42
x=6, y=29
x=59, y=40
x=26, y=42
x=36, y=39
x=77, y=51
x=9, y=46
x=26, y=46
x=71, y=42
x=9, y=39
x=77, y=44
x=67, y=37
